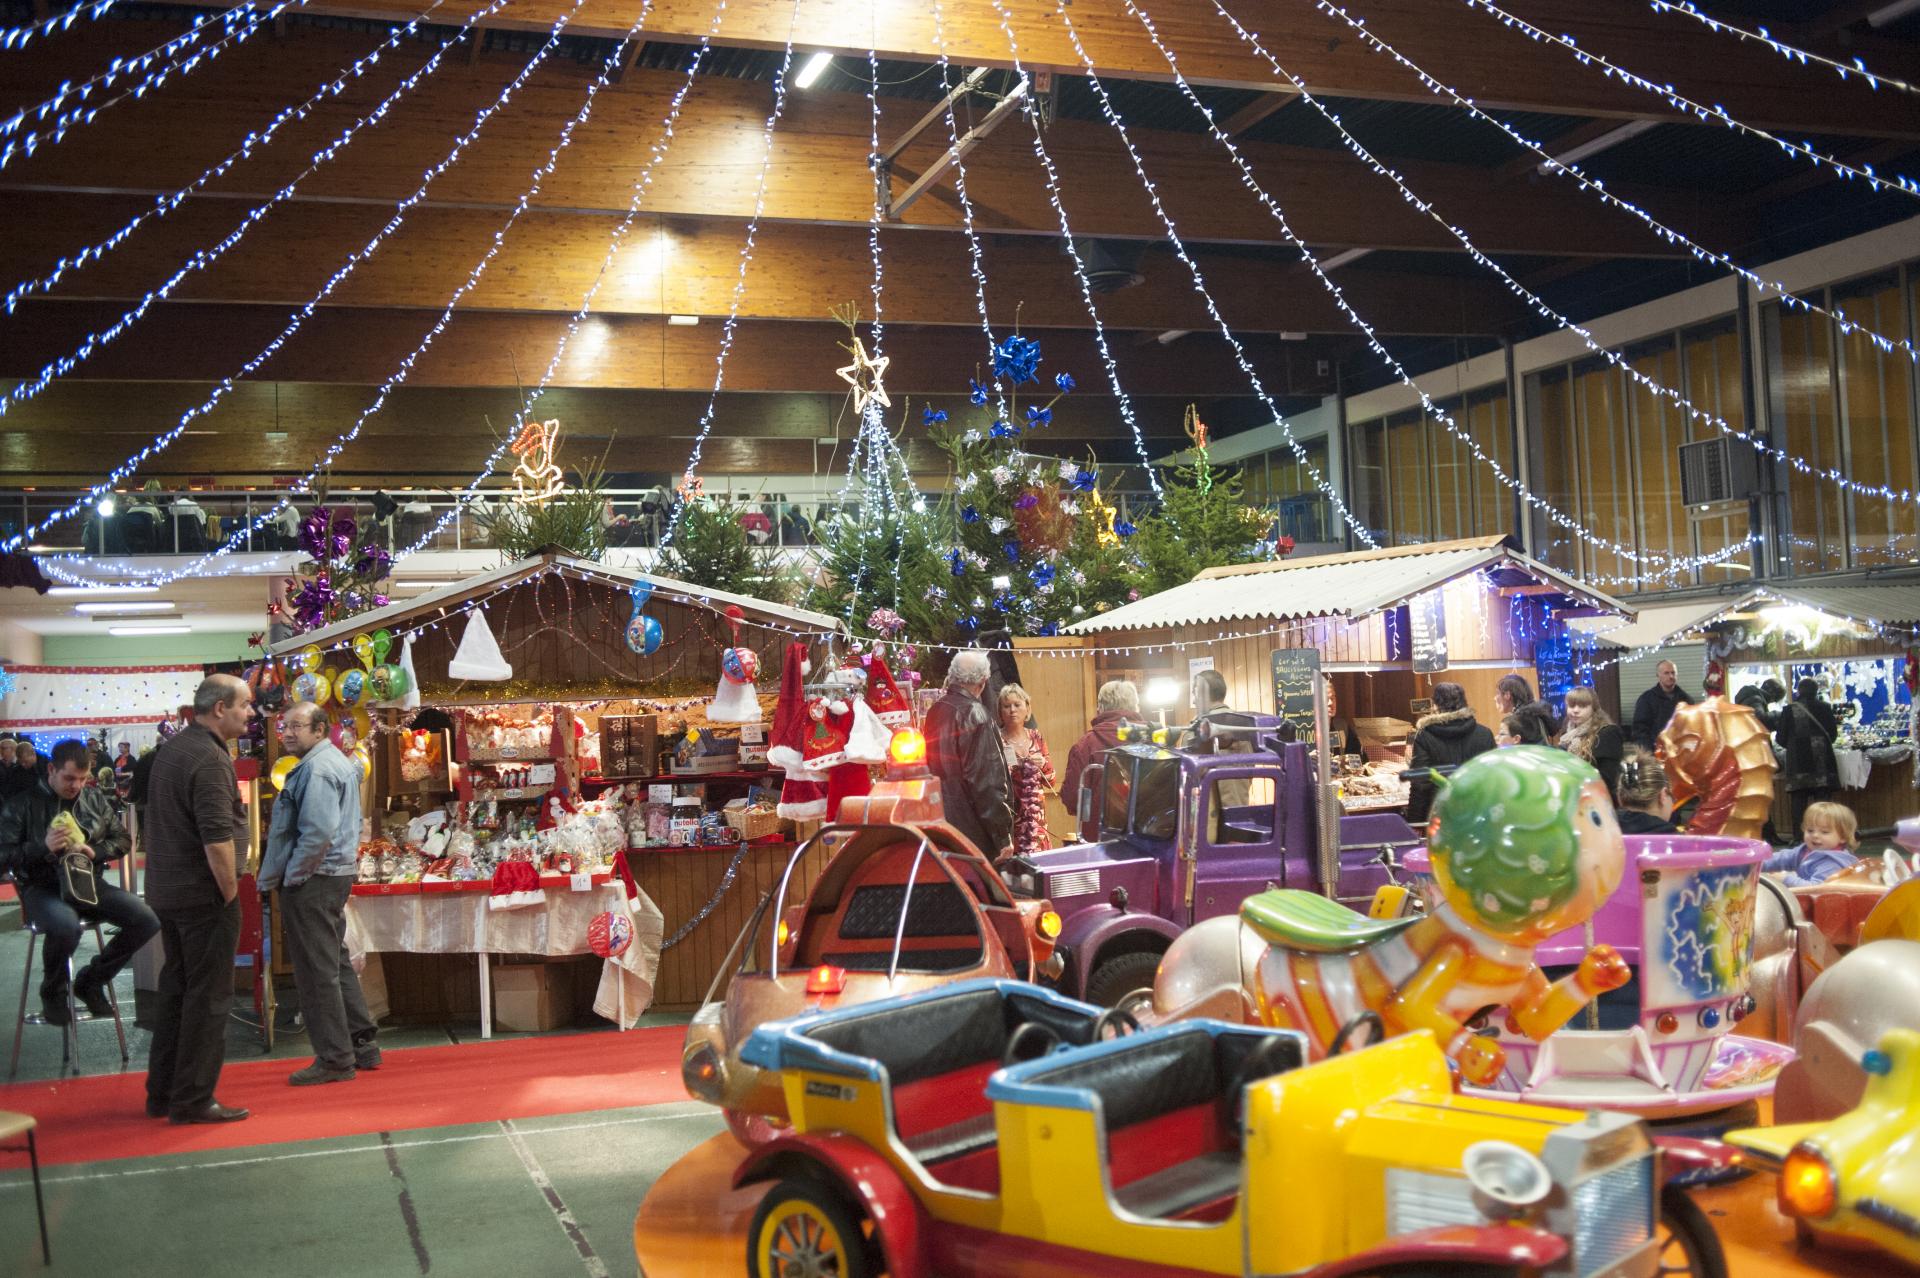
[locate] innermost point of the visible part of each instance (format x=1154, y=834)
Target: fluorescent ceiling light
x=127, y=605
x=682, y=321
x=422, y=583
x=149, y=630
x=104, y=590
x=816, y=65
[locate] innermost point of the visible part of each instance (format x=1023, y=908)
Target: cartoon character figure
x=1717, y=750
x=1524, y=845
x=537, y=479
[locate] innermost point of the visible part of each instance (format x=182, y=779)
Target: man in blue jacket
x=312, y=852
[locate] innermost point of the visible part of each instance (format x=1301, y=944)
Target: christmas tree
x=710, y=549
x=1202, y=522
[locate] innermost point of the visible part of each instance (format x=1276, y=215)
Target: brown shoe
x=213, y=1113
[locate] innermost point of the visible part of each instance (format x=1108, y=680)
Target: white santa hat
x=410, y=701
x=479, y=656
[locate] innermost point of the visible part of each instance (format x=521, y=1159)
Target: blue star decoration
x=1083, y=481
x=1042, y=573
x=1016, y=358
x=953, y=561
x=1012, y=549
x=1037, y=417
x=1124, y=529
x=976, y=393
x=1003, y=430
x=969, y=515
x=932, y=416
x=1064, y=381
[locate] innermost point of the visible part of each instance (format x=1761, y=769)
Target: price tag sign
x=581, y=882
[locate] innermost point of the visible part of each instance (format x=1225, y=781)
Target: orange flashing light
x=1050, y=924
x=781, y=933
x=908, y=748
x=826, y=979
x=1806, y=1184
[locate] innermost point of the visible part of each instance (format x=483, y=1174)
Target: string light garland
x=249, y=145
x=1599, y=189
x=1705, y=114
x=1125, y=405
x=1193, y=268
x=21, y=145
x=642, y=184
x=1854, y=70
x=1672, y=564
x=17, y=37
x=739, y=287
x=300, y=317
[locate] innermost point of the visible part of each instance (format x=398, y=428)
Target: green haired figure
x=1524, y=845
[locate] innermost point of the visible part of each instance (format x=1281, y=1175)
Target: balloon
x=342, y=734
x=644, y=635
x=609, y=934
x=362, y=724
x=350, y=687
x=382, y=645
x=323, y=686
x=363, y=651
x=363, y=757
x=389, y=683
x=641, y=592
x=306, y=687
x=739, y=665
x=283, y=765
x=310, y=657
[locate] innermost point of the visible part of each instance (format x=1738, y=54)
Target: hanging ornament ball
x=282, y=766
x=382, y=645
x=306, y=687
x=363, y=651
x=350, y=687
x=644, y=635
x=739, y=665
x=311, y=658
x=609, y=934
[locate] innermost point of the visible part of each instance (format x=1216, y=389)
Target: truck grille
x=1423, y=1200
x=1612, y=1215
x=1073, y=883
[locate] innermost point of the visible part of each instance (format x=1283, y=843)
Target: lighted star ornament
x=864, y=376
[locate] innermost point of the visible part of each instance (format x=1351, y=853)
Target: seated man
x=30, y=850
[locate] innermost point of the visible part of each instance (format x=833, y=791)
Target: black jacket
x=1822, y=711
x=1442, y=740
x=1537, y=724
x=965, y=752
x=1809, y=762
x=1635, y=822
x=23, y=832
x=1652, y=711
x=1608, y=749
x=1753, y=699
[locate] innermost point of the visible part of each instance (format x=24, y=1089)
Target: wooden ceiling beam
x=193, y=342
x=687, y=266
x=1495, y=66
x=819, y=172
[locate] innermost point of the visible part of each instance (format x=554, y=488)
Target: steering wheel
x=1013, y=1053
x=1273, y=1054
x=1369, y=1019
x=1120, y=1021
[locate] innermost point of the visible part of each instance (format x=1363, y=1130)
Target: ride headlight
x=700, y=1072
x=1507, y=1181
x=1808, y=1187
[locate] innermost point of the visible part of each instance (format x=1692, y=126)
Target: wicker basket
x=756, y=823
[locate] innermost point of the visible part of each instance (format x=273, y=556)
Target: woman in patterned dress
x=1029, y=767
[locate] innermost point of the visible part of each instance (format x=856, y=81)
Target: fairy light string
x=300, y=317
x=1854, y=69
x=1599, y=190
x=1541, y=307
x=12, y=38
x=739, y=291
x=201, y=25
x=1673, y=563
x=975, y=265
x=81, y=115
x=249, y=145
x=1700, y=111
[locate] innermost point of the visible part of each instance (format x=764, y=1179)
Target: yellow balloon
x=323, y=687
x=363, y=650
x=311, y=657
x=282, y=766
x=362, y=724
x=362, y=757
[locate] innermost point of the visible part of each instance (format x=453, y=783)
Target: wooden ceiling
x=631, y=376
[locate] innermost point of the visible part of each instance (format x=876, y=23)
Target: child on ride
x=1829, y=833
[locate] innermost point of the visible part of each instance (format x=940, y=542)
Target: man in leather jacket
x=30, y=850
x=964, y=750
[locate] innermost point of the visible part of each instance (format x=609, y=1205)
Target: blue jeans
x=60, y=925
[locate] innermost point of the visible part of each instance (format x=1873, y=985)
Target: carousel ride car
x=924, y=1140
x=904, y=903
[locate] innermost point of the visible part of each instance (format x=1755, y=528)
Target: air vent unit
x=1716, y=471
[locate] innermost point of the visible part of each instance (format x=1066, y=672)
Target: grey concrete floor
x=553, y=1195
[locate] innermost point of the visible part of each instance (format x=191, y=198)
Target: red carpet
x=95, y=1118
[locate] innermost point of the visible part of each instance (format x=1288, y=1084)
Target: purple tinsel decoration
x=1026, y=501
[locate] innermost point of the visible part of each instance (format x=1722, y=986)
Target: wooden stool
x=12, y=1127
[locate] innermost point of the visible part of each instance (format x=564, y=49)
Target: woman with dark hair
x=1642, y=802
x=1591, y=734
x=1446, y=738
x=1513, y=695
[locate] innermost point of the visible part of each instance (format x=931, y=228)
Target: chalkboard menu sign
x=1427, y=629
x=1553, y=663
x=1296, y=676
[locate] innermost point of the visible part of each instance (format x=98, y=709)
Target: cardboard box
x=629, y=745
x=532, y=996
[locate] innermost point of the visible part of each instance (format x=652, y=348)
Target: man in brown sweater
x=194, y=828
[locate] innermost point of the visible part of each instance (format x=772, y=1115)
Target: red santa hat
x=787, y=731
x=516, y=884
x=884, y=697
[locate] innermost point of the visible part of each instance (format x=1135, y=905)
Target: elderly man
x=312, y=849
x=1118, y=703
x=965, y=752
x=194, y=830
x=30, y=849
x=1656, y=706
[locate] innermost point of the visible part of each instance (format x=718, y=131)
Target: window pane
x=1369, y=501
x=1816, y=542
x=1407, y=457
x=1713, y=386
x=1879, y=431
x=1659, y=429
x=1493, y=501
x=1552, y=435
x=1453, y=469
x=1606, y=471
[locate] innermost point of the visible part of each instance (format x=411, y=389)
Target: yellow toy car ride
x=925, y=1141
x=1857, y=1177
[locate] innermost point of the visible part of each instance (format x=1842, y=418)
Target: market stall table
x=457, y=918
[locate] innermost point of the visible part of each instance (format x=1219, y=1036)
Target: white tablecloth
x=1854, y=768
x=462, y=923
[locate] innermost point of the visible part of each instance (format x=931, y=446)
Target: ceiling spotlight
x=816, y=65
x=683, y=321
x=104, y=589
